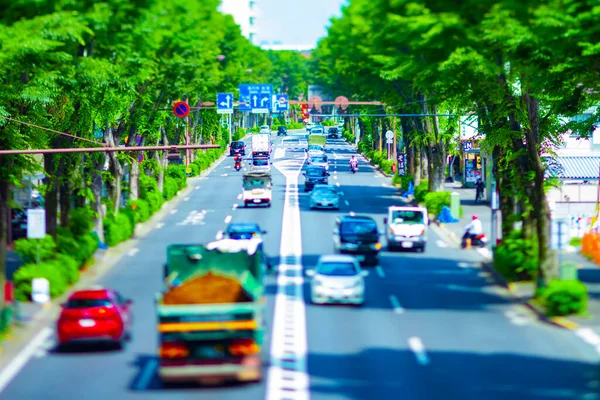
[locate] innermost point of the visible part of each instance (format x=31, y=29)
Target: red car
x=95, y=315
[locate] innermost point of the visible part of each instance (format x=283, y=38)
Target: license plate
x=87, y=323
x=407, y=245
x=256, y=200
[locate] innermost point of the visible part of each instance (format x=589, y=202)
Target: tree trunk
x=116, y=171
x=438, y=156
x=134, y=168
x=541, y=212
x=51, y=197
x=162, y=160
x=96, y=186
x=4, y=218
x=66, y=191
x=410, y=162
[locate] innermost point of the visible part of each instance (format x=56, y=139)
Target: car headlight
x=376, y=246
x=356, y=284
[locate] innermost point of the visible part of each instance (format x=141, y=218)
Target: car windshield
x=325, y=192
x=318, y=159
x=333, y=130
x=260, y=163
x=264, y=127
x=317, y=131
x=256, y=183
x=237, y=145
x=337, y=269
x=315, y=147
x=88, y=303
x=315, y=172
x=358, y=227
x=407, y=217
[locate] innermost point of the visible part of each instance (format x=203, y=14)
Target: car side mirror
x=264, y=232
x=311, y=272
x=385, y=220
x=364, y=273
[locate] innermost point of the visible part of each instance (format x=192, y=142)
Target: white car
x=319, y=160
x=324, y=196
x=337, y=279
x=317, y=131
x=309, y=126
x=407, y=228
x=265, y=129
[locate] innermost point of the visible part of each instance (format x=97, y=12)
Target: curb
x=105, y=260
x=561, y=322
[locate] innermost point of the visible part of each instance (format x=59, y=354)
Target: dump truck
x=210, y=313
x=257, y=187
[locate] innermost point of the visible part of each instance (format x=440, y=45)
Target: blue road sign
x=181, y=109
x=225, y=103
x=248, y=91
x=282, y=102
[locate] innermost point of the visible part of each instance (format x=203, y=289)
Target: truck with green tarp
x=316, y=143
x=210, y=313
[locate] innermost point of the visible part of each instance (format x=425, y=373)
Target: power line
x=109, y=149
x=52, y=130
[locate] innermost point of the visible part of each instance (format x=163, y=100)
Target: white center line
x=133, y=252
x=334, y=176
x=396, y=304
x=173, y=211
x=416, y=345
x=380, y=271
x=228, y=219
x=346, y=202
x=337, y=184
x=224, y=174
x=159, y=225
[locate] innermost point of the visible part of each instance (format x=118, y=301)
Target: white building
x=245, y=13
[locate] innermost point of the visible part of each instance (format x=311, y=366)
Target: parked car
x=237, y=147
x=95, y=315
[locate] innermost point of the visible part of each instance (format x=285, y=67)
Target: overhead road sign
x=224, y=103
x=260, y=103
x=282, y=103
x=247, y=91
x=181, y=109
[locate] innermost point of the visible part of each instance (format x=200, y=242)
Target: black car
x=359, y=236
x=315, y=175
x=282, y=130
x=333, y=133
x=237, y=147
x=243, y=231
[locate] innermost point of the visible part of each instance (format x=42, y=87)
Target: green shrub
x=406, y=180
x=141, y=210
x=170, y=188
x=255, y=129
x=117, y=229
x=295, y=125
x=516, y=258
x=67, y=245
x=195, y=169
x=564, y=298
x=177, y=172
x=575, y=242
x=155, y=201
x=68, y=266
x=27, y=249
x=434, y=202
x=48, y=269
x=147, y=185
x=81, y=221
x=386, y=166
x=88, y=244
x=421, y=191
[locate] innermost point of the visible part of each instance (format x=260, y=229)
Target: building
x=244, y=13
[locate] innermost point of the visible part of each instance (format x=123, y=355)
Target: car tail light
x=243, y=347
x=173, y=350
x=423, y=231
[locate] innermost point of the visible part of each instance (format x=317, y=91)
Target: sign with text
x=36, y=223
x=249, y=91
x=401, y=164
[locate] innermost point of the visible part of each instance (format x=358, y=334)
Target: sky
x=295, y=22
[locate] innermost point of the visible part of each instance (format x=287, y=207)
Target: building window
x=251, y=21
x=578, y=119
x=252, y=5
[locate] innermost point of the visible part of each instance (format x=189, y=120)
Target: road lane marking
x=337, y=184
x=288, y=356
x=219, y=235
x=416, y=345
x=198, y=187
x=173, y=211
x=159, y=225
x=396, y=305
x=342, y=194
x=516, y=317
x=224, y=174
x=194, y=218
x=16, y=365
x=346, y=202
x=380, y=271
x=146, y=375
x=186, y=199
x=234, y=206
x=334, y=176
x=228, y=219
x=239, y=196
x=441, y=243
x=133, y=252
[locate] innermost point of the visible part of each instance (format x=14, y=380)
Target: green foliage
x=563, y=298
x=81, y=221
x=118, y=228
x=255, y=129
x=170, y=188
x=421, y=191
x=575, y=242
x=59, y=272
x=141, y=210
x=434, y=201
x=295, y=125
x=177, y=173
x=516, y=258
x=27, y=249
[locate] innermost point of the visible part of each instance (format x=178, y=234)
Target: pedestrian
x=479, y=187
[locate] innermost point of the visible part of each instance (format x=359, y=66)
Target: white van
x=406, y=228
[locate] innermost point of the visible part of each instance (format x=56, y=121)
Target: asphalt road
x=432, y=327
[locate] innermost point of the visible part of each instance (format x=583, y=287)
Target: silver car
x=337, y=279
x=319, y=160
x=324, y=196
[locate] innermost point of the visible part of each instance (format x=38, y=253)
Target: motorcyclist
x=473, y=229
x=353, y=162
x=238, y=160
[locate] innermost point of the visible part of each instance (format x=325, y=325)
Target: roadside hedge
x=421, y=191
x=562, y=298
x=516, y=258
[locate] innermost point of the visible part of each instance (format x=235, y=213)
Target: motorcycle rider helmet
x=475, y=217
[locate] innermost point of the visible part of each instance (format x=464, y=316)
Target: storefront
x=474, y=163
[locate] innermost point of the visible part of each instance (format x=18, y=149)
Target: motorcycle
x=353, y=168
x=477, y=241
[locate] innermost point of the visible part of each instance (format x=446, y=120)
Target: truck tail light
x=243, y=347
x=173, y=350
